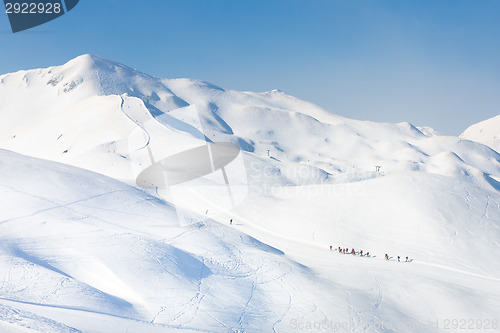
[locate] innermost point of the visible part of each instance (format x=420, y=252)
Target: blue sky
x=429, y=62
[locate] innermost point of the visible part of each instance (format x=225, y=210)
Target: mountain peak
x=86, y=62
x=84, y=58
x=107, y=76
x=486, y=132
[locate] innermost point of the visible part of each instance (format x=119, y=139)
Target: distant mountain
x=91, y=113
x=486, y=132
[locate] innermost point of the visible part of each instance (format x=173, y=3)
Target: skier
x=398, y=259
x=367, y=254
x=340, y=250
x=353, y=252
x=406, y=259
x=386, y=257
x=361, y=252
x=231, y=221
x=331, y=248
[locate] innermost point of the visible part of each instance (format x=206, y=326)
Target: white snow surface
x=85, y=250
x=486, y=132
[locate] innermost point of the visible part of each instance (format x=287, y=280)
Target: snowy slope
x=83, y=252
x=486, y=132
x=78, y=246
x=90, y=253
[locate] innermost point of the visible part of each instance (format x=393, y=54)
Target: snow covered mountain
x=94, y=244
x=486, y=132
x=88, y=112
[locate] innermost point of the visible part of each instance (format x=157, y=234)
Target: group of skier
x=367, y=254
x=353, y=252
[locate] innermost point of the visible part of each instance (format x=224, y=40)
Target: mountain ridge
x=257, y=122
